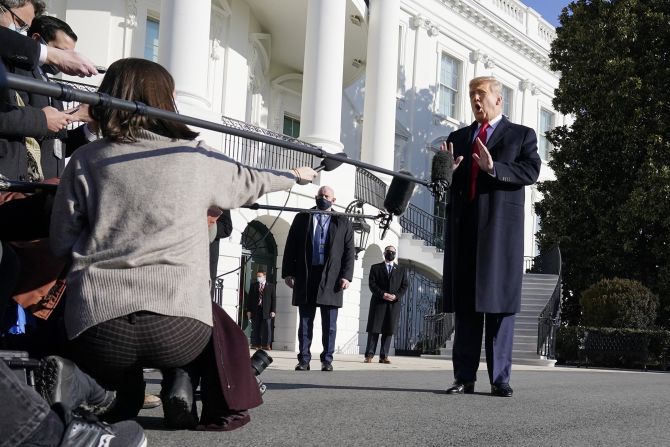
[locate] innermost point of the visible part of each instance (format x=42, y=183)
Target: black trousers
x=371, y=346
x=261, y=329
x=115, y=352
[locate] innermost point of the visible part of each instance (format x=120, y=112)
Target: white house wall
x=110, y=30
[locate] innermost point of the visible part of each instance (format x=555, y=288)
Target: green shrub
x=619, y=303
x=568, y=344
x=610, y=347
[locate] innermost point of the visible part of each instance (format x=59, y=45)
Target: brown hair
x=134, y=79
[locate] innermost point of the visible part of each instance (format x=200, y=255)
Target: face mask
x=12, y=26
x=323, y=204
x=261, y=280
x=389, y=255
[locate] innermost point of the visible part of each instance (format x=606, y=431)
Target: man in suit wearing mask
x=388, y=284
x=318, y=265
x=261, y=307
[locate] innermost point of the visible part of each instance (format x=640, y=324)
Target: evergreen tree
x=609, y=207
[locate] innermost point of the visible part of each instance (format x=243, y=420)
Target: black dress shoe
x=177, y=396
x=302, y=367
x=326, y=366
x=502, y=390
x=461, y=388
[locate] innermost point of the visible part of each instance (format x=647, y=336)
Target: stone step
x=518, y=358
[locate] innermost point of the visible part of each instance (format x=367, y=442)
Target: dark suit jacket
x=224, y=226
x=339, y=259
x=67, y=140
x=383, y=316
x=500, y=217
x=269, y=299
x=17, y=50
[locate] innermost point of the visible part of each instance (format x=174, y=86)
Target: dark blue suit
x=483, y=263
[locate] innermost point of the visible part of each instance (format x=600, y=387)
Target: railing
x=370, y=188
x=437, y=329
x=425, y=226
x=262, y=155
x=350, y=347
x=423, y=297
x=249, y=152
x=550, y=317
x=72, y=104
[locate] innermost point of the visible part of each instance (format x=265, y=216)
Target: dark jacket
x=500, y=217
x=54, y=147
x=269, y=299
x=16, y=122
x=17, y=50
x=383, y=316
x=224, y=226
x=231, y=350
x=339, y=259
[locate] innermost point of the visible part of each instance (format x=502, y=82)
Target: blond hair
x=496, y=85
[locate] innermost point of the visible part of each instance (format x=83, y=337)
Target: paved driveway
x=402, y=404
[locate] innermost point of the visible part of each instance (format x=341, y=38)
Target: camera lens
x=259, y=361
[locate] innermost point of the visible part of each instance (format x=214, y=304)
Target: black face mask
x=323, y=204
x=389, y=255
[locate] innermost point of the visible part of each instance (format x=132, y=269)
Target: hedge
x=613, y=347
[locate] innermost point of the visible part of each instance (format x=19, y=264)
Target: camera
x=259, y=361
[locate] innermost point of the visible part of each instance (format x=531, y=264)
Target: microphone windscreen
x=442, y=168
x=328, y=164
x=399, y=193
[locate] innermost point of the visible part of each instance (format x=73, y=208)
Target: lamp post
x=360, y=226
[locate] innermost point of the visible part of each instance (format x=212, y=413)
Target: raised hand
x=450, y=148
x=484, y=159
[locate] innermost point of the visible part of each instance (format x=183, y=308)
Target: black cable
x=251, y=255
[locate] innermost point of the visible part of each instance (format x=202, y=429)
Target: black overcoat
x=383, y=316
x=339, y=259
x=500, y=217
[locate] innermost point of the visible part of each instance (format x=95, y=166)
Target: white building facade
x=382, y=80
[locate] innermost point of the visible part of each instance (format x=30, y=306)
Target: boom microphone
x=328, y=164
x=441, y=174
x=397, y=198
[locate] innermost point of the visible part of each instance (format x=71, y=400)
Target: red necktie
x=475, y=166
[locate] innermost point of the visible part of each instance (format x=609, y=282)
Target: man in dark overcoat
x=261, y=306
x=388, y=283
x=494, y=160
x=318, y=265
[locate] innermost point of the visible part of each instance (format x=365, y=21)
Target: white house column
x=320, y=114
x=184, y=47
x=380, y=84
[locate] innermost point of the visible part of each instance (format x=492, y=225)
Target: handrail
x=549, y=319
x=369, y=188
x=424, y=225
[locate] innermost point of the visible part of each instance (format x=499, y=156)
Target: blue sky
x=549, y=9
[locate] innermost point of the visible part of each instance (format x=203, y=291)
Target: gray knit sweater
x=134, y=219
